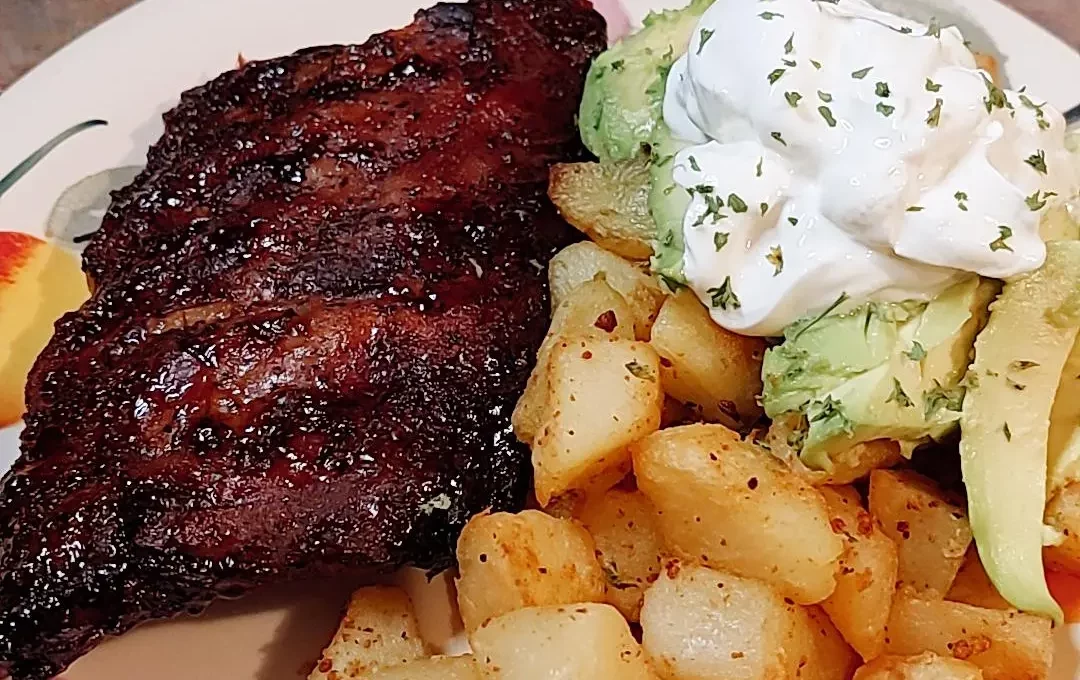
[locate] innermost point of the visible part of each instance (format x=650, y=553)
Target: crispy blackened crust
x=313, y=314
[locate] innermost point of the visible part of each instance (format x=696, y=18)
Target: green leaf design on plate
x=9, y=180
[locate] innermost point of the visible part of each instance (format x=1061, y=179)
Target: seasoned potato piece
x=865, y=581
x=706, y=365
x=379, y=630
x=734, y=507
x=700, y=623
x=928, y=666
x=593, y=309
x=507, y=562
x=605, y=395
x=1004, y=645
x=626, y=529
x=972, y=585
x=581, y=262
x=608, y=202
x=1063, y=514
x=435, y=668
x=931, y=533
x=574, y=641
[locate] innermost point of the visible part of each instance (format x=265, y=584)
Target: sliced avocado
x=1063, y=448
x=882, y=371
x=624, y=91
x=1006, y=420
x=668, y=203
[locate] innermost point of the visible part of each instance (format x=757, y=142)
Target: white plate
x=130, y=70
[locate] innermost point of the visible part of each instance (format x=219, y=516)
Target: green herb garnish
x=776, y=259
x=706, y=35
x=724, y=297
x=899, y=395
x=862, y=73
x=931, y=86
x=827, y=114
x=736, y=203
x=917, y=352
x=792, y=99
x=881, y=89
x=720, y=240
x=933, y=116
x=1000, y=242
x=776, y=75
x=778, y=137
x=1037, y=160
x=884, y=109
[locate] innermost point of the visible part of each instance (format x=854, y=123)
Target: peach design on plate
x=39, y=282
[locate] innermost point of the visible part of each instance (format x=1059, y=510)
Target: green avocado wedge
x=624, y=91
x=880, y=371
x=1005, y=423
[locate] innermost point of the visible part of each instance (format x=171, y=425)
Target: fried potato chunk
x=581, y=262
x=930, y=531
x=732, y=506
x=703, y=364
x=1004, y=645
x=866, y=580
x=508, y=562
x=702, y=623
x=626, y=528
x=605, y=395
x=571, y=641
x=379, y=630
x=926, y=666
x=593, y=309
x=607, y=202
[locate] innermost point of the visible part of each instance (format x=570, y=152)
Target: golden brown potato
x=931, y=533
x=435, y=668
x=706, y=365
x=507, y=562
x=604, y=395
x=608, y=202
x=581, y=262
x=926, y=666
x=865, y=581
x=1004, y=645
x=701, y=623
x=972, y=585
x=573, y=641
x=593, y=309
x=626, y=528
x=379, y=630
x=1063, y=514
x=734, y=507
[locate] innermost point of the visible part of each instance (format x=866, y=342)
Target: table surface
x=31, y=30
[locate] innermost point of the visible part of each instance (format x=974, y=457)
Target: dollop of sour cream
x=842, y=152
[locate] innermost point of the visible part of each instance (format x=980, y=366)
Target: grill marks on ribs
x=313, y=313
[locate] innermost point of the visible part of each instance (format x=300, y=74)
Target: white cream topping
x=855, y=153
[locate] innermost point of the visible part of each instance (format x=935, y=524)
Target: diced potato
x=574, y=641
x=508, y=562
x=734, y=507
x=931, y=533
x=581, y=262
x=435, y=668
x=605, y=395
x=706, y=365
x=926, y=666
x=1063, y=514
x=972, y=585
x=379, y=630
x=609, y=202
x=865, y=581
x=1004, y=645
x=626, y=528
x=701, y=623
x=593, y=309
